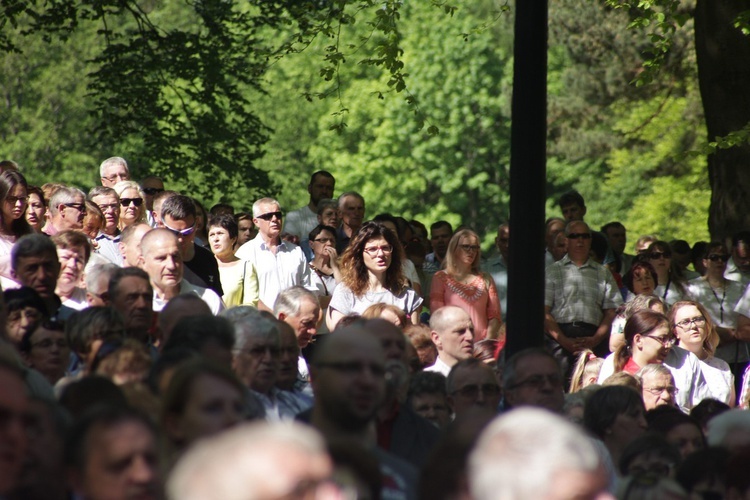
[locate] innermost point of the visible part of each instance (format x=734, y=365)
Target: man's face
x=741, y=257
x=184, y=229
x=246, y=231
x=122, y=463
x=538, y=383
x=71, y=215
x=658, y=390
x=39, y=273
x=13, y=436
x=475, y=386
x=573, y=211
x=131, y=252
x=110, y=207
x=115, y=173
x=321, y=187
x=269, y=220
x=305, y=323
x=441, y=236
x=163, y=263
x=257, y=364
x=579, y=241
x=352, y=212
x=433, y=407
x=151, y=187
x=502, y=241
x=617, y=239
x=456, y=340
x=133, y=299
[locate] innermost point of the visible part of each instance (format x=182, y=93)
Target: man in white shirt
x=301, y=222
x=278, y=263
x=453, y=335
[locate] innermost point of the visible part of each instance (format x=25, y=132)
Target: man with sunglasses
x=278, y=264
x=66, y=210
x=178, y=215
x=580, y=300
x=151, y=186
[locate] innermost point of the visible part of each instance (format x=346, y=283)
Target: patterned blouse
x=478, y=298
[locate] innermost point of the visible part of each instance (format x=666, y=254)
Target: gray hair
x=31, y=245
x=101, y=191
x=652, y=369
x=264, y=201
x=62, y=196
x=724, y=425
x=115, y=160
x=251, y=327
x=327, y=203
x=290, y=300
x=519, y=453
x=237, y=464
x=348, y=194
x=95, y=273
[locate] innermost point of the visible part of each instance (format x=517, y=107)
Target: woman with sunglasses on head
x=648, y=339
x=671, y=286
x=132, y=209
x=372, y=273
x=694, y=329
x=463, y=284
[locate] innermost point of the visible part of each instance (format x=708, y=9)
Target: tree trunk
x=723, y=55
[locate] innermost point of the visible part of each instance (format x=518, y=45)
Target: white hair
x=115, y=160
x=94, y=273
x=519, y=453
x=290, y=300
x=729, y=423
x=264, y=201
x=251, y=327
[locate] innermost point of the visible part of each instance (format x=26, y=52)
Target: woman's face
x=49, y=352
x=72, y=262
x=643, y=282
x=716, y=260
x=14, y=204
x=467, y=250
x=329, y=217
x=628, y=426
x=212, y=406
x=654, y=345
x=660, y=258
x=35, y=211
x=690, y=328
x=220, y=241
x=129, y=212
x=323, y=240
x=21, y=321
x=92, y=224
x=377, y=255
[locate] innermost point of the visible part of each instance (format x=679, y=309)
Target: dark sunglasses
x=152, y=191
x=715, y=257
x=78, y=206
x=659, y=255
x=575, y=236
x=131, y=201
x=270, y=215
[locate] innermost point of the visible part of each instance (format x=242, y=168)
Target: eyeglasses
x=152, y=191
x=538, y=381
x=697, y=321
x=270, y=215
x=715, y=257
x=373, y=251
x=472, y=391
x=469, y=248
x=78, y=206
x=48, y=343
x=658, y=391
x=180, y=232
x=109, y=207
x=15, y=199
x=353, y=367
x=665, y=341
x=575, y=236
x=137, y=202
x=117, y=177
x=324, y=240
x=659, y=255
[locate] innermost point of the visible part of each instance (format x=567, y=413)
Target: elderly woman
x=463, y=284
x=73, y=252
x=132, y=209
x=695, y=331
x=371, y=273
x=238, y=279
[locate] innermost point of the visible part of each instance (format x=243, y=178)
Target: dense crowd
x=155, y=349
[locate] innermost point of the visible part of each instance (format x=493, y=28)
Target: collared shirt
x=580, y=293
x=282, y=405
x=209, y=297
x=109, y=248
x=498, y=269
x=439, y=367
x=276, y=272
x=301, y=222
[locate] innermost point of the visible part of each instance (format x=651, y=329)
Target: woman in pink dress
x=463, y=284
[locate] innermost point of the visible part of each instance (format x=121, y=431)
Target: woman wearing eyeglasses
x=372, y=273
x=695, y=331
x=648, y=339
x=326, y=272
x=132, y=209
x=671, y=286
x=463, y=284
x=13, y=224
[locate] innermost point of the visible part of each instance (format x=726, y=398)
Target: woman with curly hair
x=372, y=273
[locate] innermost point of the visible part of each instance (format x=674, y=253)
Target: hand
x=567, y=343
x=586, y=343
x=333, y=257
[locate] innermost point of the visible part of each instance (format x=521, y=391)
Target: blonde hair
x=450, y=254
x=586, y=366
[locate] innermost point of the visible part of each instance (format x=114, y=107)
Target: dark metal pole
x=528, y=172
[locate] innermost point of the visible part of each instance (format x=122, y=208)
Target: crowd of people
x=151, y=348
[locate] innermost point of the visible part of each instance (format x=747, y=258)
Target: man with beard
x=300, y=222
x=453, y=335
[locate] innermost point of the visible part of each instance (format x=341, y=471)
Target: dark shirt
x=204, y=265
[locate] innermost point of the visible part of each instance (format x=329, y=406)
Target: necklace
x=721, y=302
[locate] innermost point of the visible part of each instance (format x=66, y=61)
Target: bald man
x=453, y=335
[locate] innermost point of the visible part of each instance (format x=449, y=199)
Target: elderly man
x=472, y=384
x=113, y=170
x=301, y=222
x=108, y=240
x=299, y=308
x=67, y=208
x=97, y=281
x=256, y=362
x=532, y=377
x=658, y=387
x=278, y=263
x=351, y=214
x=161, y=258
x=453, y=334
x=34, y=264
x=130, y=243
x=580, y=299
x=130, y=293
x=498, y=266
